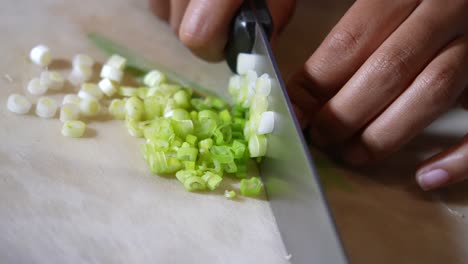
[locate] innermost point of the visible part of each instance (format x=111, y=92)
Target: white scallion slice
x=266, y=123
x=111, y=73
x=18, y=104
x=35, y=87
x=263, y=85
x=134, y=108
x=71, y=99
x=46, y=107
x=41, y=55
x=52, y=80
x=82, y=60
x=257, y=146
x=80, y=74
x=90, y=91
x=107, y=87
x=117, y=62
x=69, y=112
x=90, y=107
x=117, y=109
x=73, y=128
x=248, y=62
x=154, y=78
x=234, y=85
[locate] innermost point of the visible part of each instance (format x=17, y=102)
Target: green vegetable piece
x=205, y=145
x=182, y=99
x=238, y=148
x=182, y=175
x=230, y=194
x=251, y=187
x=187, y=153
x=154, y=106
x=192, y=140
x=128, y=91
x=205, y=129
x=225, y=117
x=257, y=146
x=212, y=180
x=190, y=165
x=182, y=128
x=207, y=114
x=117, y=109
x=180, y=114
x=134, y=127
x=194, y=183
x=134, y=108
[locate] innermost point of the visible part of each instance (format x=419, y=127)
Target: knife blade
x=291, y=181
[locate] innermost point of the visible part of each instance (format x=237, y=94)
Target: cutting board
x=93, y=199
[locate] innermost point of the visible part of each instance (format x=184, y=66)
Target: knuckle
x=343, y=41
x=440, y=83
x=394, y=61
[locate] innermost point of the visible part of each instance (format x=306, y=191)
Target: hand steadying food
x=385, y=72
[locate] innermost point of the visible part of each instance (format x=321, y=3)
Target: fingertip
x=200, y=45
x=432, y=179
x=205, y=26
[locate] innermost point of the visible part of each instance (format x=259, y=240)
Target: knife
x=291, y=182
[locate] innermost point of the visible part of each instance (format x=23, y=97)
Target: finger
x=432, y=93
x=387, y=72
x=344, y=50
x=281, y=12
x=445, y=168
x=178, y=8
x=160, y=8
x=205, y=27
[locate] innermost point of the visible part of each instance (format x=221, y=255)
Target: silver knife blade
x=293, y=188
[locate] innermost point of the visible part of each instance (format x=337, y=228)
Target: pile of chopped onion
x=199, y=140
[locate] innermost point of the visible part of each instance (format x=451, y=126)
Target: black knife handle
x=242, y=34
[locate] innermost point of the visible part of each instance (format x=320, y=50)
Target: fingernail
x=356, y=156
x=432, y=179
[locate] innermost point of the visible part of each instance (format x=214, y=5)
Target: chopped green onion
x=182, y=175
x=238, y=148
x=18, y=104
x=195, y=183
x=134, y=127
x=212, y=180
x=73, y=128
x=180, y=114
x=251, y=187
x=69, y=112
x=154, y=106
x=257, y=146
x=230, y=194
x=187, y=153
x=154, y=78
x=128, y=91
x=134, y=108
x=182, y=99
x=117, y=109
x=207, y=114
x=192, y=140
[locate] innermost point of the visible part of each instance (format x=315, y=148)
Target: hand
x=385, y=72
x=203, y=25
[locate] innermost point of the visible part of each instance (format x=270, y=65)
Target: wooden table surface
x=92, y=200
